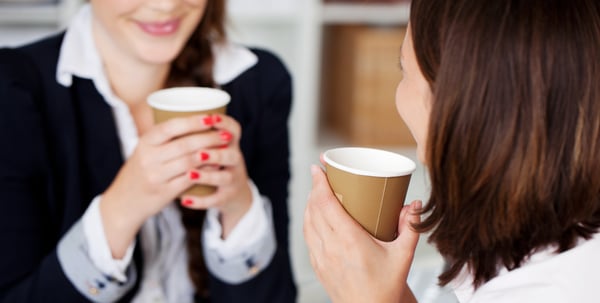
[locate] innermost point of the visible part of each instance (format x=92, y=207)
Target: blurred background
x=343, y=56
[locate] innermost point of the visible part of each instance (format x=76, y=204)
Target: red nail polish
x=226, y=136
x=208, y=121
x=187, y=202
x=194, y=175
x=204, y=156
x=217, y=118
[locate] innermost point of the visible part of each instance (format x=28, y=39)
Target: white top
x=571, y=276
x=166, y=266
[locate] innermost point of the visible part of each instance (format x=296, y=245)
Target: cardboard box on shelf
x=360, y=75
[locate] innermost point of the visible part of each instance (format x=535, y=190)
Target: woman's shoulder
x=268, y=58
x=548, y=276
x=259, y=70
x=35, y=56
x=269, y=64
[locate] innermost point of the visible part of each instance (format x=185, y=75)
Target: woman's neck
x=131, y=79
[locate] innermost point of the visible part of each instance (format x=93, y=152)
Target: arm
x=34, y=266
x=266, y=149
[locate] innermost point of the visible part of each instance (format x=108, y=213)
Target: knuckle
x=166, y=129
x=153, y=178
x=145, y=162
x=184, y=144
x=226, y=177
x=236, y=157
x=183, y=164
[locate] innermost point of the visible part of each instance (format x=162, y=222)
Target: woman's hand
x=153, y=176
x=352, y=265
x=225, y=168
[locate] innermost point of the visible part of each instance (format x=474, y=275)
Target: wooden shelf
x=376, y=14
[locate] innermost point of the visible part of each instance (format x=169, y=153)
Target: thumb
x=407, y=236
x=318, y=176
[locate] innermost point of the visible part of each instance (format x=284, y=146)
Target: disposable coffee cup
x=184, y=102
x=371, y=185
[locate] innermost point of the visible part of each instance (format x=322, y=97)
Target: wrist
x=120, y=223
x=232, y=213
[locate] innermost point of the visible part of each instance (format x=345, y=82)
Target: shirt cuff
x=248, y=249
x=99, y=250
x=96, y=286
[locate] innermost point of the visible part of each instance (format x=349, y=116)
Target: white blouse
x=571, y=276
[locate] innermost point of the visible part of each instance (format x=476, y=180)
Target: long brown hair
x=514, y=135
x=194, y=66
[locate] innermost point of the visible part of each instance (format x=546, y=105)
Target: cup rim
x=408, y=165
x=219, y=98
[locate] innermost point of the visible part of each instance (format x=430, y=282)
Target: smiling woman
x=151, y=31
x=92, y=190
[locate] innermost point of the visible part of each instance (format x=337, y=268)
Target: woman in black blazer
x=88, y=183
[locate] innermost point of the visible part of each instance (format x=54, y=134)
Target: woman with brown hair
x=88, y=183
x=503, y=100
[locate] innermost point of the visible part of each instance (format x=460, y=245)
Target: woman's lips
x=160, y=28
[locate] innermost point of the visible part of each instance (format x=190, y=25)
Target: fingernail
x=417, y=205
x=217, y=118
x=226, y=136
x=187, y=202
x=208, y=121
x=204, y=156
x=194, y=175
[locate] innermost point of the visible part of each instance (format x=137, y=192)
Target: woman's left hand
x=352, y=265
x=225, y=168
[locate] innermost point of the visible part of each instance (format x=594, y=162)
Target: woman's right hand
x=352, y=265
x=154, y=175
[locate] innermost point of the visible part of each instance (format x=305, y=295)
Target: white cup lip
x=186, y=98
x=399, y=165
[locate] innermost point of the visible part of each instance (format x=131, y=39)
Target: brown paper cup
x=188, y=101
x=371, y=185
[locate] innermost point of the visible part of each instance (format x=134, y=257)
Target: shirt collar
x=79, y=56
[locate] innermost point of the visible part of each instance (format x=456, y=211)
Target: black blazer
x=60, y=150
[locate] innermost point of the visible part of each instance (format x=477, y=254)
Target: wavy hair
x=194, y=66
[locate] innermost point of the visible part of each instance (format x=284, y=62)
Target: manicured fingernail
x=208, y=121
x=187, y=202
x=217, y=118
x=226, y=136
x=194, y=175
x=204, y=156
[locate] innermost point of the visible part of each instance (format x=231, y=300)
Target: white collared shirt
x=570, y=276
x=253, y=235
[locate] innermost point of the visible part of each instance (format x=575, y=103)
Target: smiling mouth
x=160, y=28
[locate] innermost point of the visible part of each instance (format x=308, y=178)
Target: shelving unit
x=376, y=14
x=23, y=22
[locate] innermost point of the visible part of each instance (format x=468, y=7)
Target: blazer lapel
x=99, y=142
